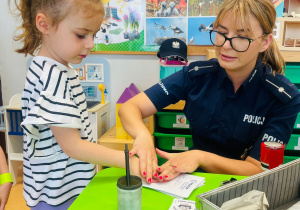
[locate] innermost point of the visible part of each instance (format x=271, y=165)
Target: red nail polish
x=149, y=180
x=160, y=177
x=130, y=153
x=144, y=173
x=155, y=175
x=174, y=166
x=159, y=169
x=166, y=176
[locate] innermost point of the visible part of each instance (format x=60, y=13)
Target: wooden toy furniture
x=128, y=93
x=14, y=135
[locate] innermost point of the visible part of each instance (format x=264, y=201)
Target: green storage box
x=161, y=160
x=287, y=159
x=297, y=123
x=292, y=72
x=294, y=143
x=172, y=120
x=175, y=142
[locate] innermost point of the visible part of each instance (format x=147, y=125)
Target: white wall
x=142, y=70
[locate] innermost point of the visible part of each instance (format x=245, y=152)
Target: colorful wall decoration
x=142, y=25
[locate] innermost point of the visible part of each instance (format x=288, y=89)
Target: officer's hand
x=184, y=162
x=143, y=146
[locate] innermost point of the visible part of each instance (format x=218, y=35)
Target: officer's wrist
x=6, y=177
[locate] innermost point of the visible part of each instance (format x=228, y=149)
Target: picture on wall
x=166, y=8
x=94, y=72
x=160, y=29
x=204, y=7
x=198, y=31
x=188, y=20
x=122, y=27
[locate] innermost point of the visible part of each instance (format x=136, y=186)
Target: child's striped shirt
x=52, y=96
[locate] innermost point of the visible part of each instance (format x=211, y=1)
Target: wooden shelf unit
x=289, y=29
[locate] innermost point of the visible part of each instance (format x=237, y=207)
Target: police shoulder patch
x=283, y=90
x=199, y=68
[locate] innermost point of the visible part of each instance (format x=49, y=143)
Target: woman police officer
x=233, y=103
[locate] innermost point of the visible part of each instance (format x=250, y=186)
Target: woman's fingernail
x=159, y=169
x=174, y=166
x=160, y=177
x=155, y=175
x=144, y=173
x=149, y=180
x=166, y=176
x=130, y=153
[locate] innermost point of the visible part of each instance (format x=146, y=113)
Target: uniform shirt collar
x=253, y=78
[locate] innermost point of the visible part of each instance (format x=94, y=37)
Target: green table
x=101, y=192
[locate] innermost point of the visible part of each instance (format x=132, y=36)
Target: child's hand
x=143, y=147
x=134, y=163
x=4, y=193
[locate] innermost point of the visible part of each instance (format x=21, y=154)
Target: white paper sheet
x=179, y=204
x=181, y=187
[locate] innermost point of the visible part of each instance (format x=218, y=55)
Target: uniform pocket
x=199, y=119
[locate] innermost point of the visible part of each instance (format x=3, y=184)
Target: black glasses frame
x=230, y=40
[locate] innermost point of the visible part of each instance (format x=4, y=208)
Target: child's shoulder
x=47, y=64
x=48, y=72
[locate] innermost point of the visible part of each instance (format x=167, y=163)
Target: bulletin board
x=140, y=26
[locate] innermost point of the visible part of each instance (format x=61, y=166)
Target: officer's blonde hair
x=265, y=13
x=56, y=10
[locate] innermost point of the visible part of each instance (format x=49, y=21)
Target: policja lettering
x=163, y=87
x=253, y=119
x=268, y=137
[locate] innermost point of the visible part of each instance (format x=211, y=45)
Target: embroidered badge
x=176, y=45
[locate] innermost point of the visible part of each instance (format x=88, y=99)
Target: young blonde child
x=58, y=145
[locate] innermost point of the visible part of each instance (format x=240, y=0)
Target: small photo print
x=94, y=72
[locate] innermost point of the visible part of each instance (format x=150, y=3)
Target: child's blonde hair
x=265, y=13
x=56, y=10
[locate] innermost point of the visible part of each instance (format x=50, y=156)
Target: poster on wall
x=122, y=28
x=189, y=20
x=142, y=25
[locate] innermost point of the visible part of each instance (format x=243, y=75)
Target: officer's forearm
x=213, y=163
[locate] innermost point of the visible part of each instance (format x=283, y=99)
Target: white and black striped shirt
x=52, y=96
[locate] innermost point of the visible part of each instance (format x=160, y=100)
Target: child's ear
x=266, y=42
x=43, y=23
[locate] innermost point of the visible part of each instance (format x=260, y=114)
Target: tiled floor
x=16, y=200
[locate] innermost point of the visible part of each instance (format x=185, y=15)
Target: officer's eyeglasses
x=239, y=44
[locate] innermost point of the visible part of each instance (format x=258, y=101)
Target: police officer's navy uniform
x=226, y=123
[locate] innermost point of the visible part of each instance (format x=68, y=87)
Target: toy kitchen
x=94, y=75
